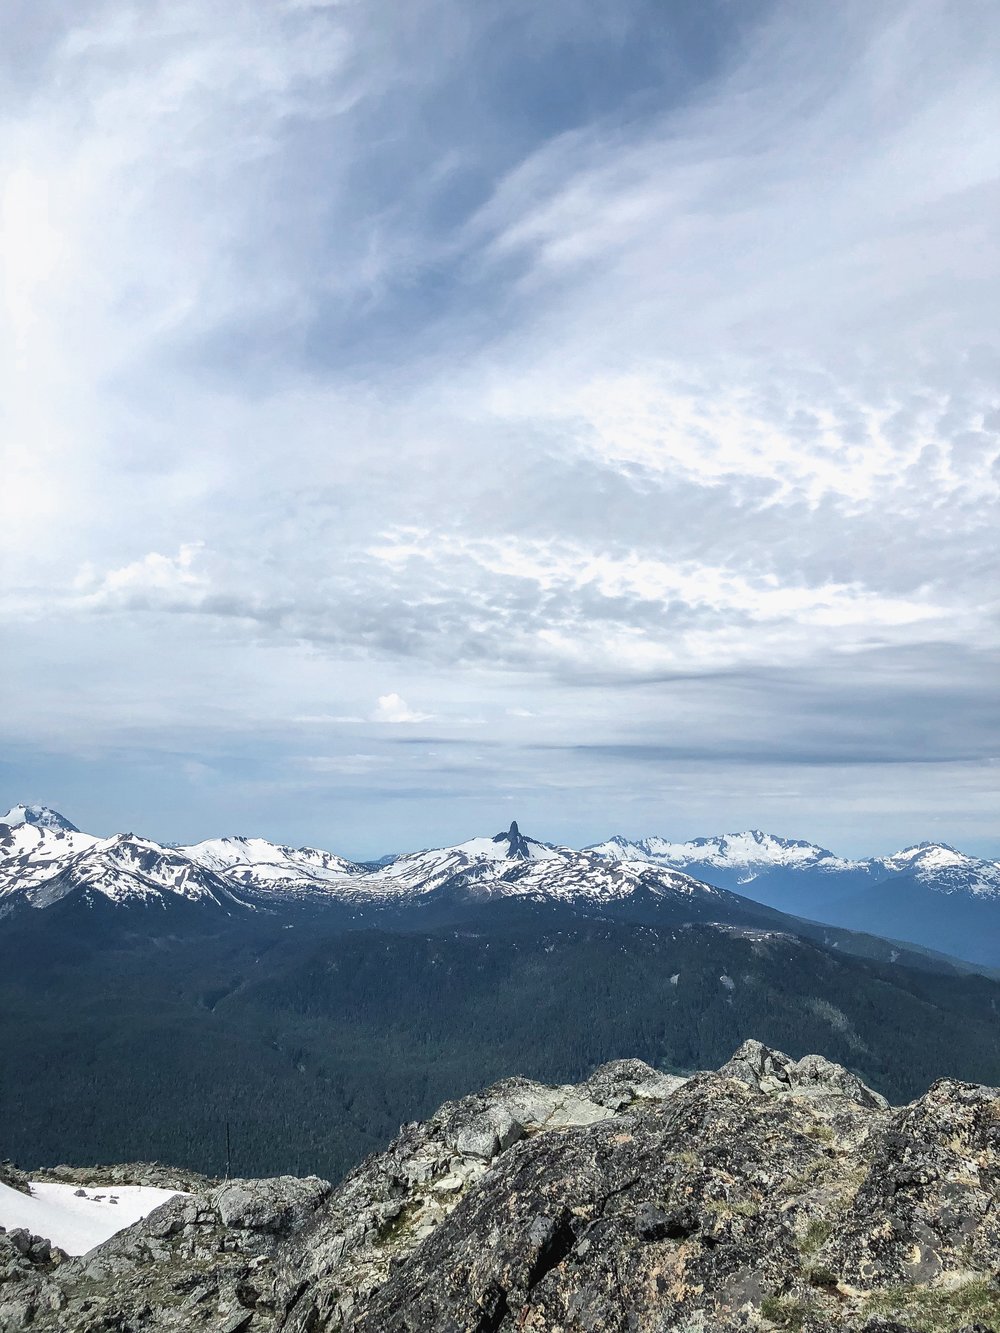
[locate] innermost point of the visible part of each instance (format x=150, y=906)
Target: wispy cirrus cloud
x=590, y=372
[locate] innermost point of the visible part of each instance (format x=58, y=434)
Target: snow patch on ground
x=76, y=1224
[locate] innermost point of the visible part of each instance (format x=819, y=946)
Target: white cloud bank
x=332, y=365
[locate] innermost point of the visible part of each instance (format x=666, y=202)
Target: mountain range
x=930, y=895
x=45, y=860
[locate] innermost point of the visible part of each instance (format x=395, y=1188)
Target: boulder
x=813, y=1076
x=275, y=1207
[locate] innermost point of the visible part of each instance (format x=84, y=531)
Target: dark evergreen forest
x=119, y=1044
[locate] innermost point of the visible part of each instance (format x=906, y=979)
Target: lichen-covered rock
x=614, y=1225
x=928, y=1204
x=394, y=1200
x=773, y=1194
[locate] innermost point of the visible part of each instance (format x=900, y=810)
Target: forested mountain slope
x=314, y=1048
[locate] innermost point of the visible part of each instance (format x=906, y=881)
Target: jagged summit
x=41, y=816
x=517, y=844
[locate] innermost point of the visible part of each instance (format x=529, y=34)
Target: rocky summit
x=772, y=1194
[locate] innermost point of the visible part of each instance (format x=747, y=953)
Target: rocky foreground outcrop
x=771, y=1194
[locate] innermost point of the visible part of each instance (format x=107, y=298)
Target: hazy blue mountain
x=929, y=894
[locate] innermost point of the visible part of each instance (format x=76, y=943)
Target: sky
x=416, y=417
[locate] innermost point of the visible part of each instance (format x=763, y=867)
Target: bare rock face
x=396, y=1201
x=812, y=1076
x=773, y=1194
x=25, y=1260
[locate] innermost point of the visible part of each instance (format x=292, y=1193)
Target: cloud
x=608, y=375
x=155, y=579
x=391, y=708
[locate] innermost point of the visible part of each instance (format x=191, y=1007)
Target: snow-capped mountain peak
x=479, y=858
x=936, y=855
x=31, y=854
x=255, y=862
x=41, y=816
x=129, y=869
x=944, y=869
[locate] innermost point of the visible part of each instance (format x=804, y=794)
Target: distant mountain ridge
x=929, y=894
x=749, y=852
x=753, y=853
x=41, y=863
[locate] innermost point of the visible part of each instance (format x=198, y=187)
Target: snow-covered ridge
x=127, y=867
x=41, y=864
x=747, y=850
x=44, y=859
x=254, y=860
x=751, y=854
x=546, y=872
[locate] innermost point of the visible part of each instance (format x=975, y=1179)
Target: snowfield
x=76, y=1224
